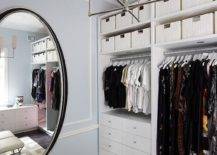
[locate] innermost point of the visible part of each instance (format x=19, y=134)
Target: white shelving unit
x=157, y=53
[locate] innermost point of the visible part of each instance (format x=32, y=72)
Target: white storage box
x=123, y=20
x=52, y=56
x=216, y=22
x=141, y=38
x=108, y=24
x=167, y=7
x=143, y=13
x=50, y=44
x=198, y=26
x=192, y=3
x=168, y=32
x=123, y=42
x=108, y=45
x=43, y=45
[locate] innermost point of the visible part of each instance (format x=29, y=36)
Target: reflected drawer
x=110, y=133
x=111, y=121
x=110, y=146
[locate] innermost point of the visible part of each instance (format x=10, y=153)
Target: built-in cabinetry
x=45, y=56
x=125, y=133
x=168, y=26
x=19, y=119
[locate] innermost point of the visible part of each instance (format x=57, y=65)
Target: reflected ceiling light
x=126, y=6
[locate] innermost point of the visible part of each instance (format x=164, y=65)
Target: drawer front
x=108, y=45
x=110, y=146
x=123, y=41
x=167, y=7
x=141, y=38
x=192, y=3
x=108, y=24
x=137, y=142
x=123, y=20
x=105, y=152
x=111, y=121
x=110, y=133
x=198, y=26
x=129, y=151
x=137, y=128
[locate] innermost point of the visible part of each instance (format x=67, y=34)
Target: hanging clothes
x=38, y=85
x=186, y=102
x=128, y=86
x=55, y=89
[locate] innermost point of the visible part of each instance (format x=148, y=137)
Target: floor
x=38, y=136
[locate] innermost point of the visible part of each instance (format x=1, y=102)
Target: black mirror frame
x=63, y=67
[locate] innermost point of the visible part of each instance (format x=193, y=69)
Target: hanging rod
x=192, y=51
x=142, y=56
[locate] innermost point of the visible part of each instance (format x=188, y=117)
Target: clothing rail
x=130, y=57
x=192, y=51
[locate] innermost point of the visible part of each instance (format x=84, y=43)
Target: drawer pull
x=134, y=128
x=110, y=146
x=109, y=121
x=109, y=134
x=134, y=142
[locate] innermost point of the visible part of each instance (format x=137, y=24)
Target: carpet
x=30, y=148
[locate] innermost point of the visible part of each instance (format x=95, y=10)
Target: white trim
x=78, y=122
x=78, y=131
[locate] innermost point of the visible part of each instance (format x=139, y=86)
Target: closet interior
x=45, y=69
x=169, y=33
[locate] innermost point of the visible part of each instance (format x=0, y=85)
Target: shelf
x=39, y=63
x=56, y=61
x=129, y=51
x=53, y=49
x=191, y=42
x=183, y=14
x=127, y=29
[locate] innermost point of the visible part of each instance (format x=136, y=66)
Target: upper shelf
x=127, y=29
x=190, y=42
x=129, y=51
x=183, y=14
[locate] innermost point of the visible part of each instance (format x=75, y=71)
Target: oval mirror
x=33, y=84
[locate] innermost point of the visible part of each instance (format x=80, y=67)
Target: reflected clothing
x=38, y=85
x=55, y=89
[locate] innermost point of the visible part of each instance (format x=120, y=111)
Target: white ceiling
x=23, y=21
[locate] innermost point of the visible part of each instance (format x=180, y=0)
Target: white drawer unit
x=123, y=42
x=137, y=142
x=52, y=56
x=143, y=13
x=137, y=128
x=111, y=121
x=124, y=136
x=108, y=24
x=168, y=32
x=110, y=146
x=19, y=119
x=141, y=38
x=110, y=133
x=198, y=26
x=167, y=7
x=108, y=45
x=192, y=3
x=123, y=20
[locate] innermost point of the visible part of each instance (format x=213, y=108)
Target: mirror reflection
x=30, y=85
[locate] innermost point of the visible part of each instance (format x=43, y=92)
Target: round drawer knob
x=134, y=142
x=109, y=121
x=134, y=128
x=109, y=146
x=110, y=134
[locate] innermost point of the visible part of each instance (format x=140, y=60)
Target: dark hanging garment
x=55, y=89
x=40, y=90
x=34, y=83
x=114, y=89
